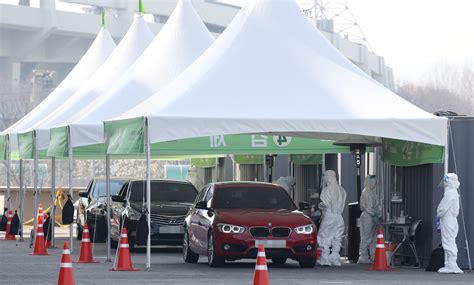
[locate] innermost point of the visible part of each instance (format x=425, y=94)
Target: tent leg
x=35, y=183
x=107, y=191
x=71, y=168
x=53, y=198
x=148, y=194
x=8, y=198
x=22, y=200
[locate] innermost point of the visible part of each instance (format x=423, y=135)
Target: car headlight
x=305, y=230
x=230, y=229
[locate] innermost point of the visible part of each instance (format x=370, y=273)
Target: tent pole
x=53, y=198
x=35, y=182
x=7, y=203
x=107, y=194
x=22, y=199
x=148, y=193
x=71, y=166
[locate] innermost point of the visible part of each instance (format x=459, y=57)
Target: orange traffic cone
x=8, y=235
x=86, y=250
x=66, y=275
x=380, y=260
x=124, y=262
x=261, y=271
x=40, y=243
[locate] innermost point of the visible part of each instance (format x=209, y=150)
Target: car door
x=204, y=218
x=195, y=229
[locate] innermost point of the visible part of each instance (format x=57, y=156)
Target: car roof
x=162, y=180
x=243, y=183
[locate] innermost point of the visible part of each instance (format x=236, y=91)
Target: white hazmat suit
x=447, y=212
x=333, y=199
x=370, y=207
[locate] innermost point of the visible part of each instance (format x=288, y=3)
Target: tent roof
x=95, y=56
x=181, y=41
x=271, y=71
x=130, y=48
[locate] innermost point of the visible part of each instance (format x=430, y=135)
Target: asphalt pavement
x=19, y=267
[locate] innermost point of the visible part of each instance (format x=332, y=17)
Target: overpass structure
x=51, y=39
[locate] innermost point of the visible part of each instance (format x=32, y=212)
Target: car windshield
x=164, y=192
x=252, y=197
x=115, y=186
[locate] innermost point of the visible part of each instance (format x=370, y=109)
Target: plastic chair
x=409, y=238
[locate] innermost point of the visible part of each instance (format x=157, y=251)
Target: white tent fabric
x=271, y=71
x=180, y=42
x=135, y=41
x=95, y=56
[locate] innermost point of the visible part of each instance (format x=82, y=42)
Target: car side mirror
x=202, y=205
x=83, y=194
x=117, y=198
x=304, y=206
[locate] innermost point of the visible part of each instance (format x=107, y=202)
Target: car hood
x=250, y=217
x=167, y=209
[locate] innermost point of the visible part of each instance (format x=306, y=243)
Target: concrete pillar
x=48, y=4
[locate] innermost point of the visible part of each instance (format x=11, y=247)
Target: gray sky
x=414, y=35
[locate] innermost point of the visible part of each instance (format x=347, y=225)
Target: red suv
x=230, y=219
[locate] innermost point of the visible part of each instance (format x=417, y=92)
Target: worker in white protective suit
x=370, y=207
x=447, y=213
x=333, y=200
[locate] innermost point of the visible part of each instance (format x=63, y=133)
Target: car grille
x=278, y=232
x=163, y=220
x=259, y=232
x=281, y=232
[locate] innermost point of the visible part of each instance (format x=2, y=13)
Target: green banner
x=125, y=136
x=58, y=142
x=306, y=159
x=247, y=144
x=25, y=145
x=3, y=147
x=205, y=162
x=406, y=153
x=249, y=158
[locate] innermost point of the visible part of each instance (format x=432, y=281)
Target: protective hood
x=329, y=178
x=451, y=183
x=370, y=182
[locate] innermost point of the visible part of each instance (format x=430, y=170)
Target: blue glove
x=438, y=224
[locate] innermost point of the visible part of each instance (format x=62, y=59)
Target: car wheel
x=307, y=262
x=279, y=260
x=212, y=258
x=79, y=232
x=188, y=255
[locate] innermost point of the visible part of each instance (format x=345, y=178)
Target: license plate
x=271, y=243
x=171, y=230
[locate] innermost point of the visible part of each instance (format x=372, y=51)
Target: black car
x=91, y=207
x=170, y=202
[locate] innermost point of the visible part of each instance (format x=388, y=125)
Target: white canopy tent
x=279, y=74
x=135, y=41
x=37, y=137
x=272, y=72
x=181, y=41
x=95, y=56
